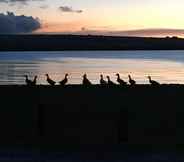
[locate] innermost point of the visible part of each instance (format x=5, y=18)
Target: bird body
x=131, y=81
x=64, y=81
x=86, y=80
x=153, y=82
x=109, y=81
x=30, y=82
x=102, y=81
x=27, y=80
x=49, y=80
x=34, y=80
x=120, y=81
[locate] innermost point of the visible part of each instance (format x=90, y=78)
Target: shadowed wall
x=76, y=115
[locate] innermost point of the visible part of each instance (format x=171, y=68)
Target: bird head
x=101, y=76
x=26, y=76
x=66, y=74
x=85, y=75
x=118, y=75
x=108, y=77
x=149, y=77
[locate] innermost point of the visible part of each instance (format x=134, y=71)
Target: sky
x=115, y=17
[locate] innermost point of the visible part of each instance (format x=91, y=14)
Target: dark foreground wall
x=76, y=115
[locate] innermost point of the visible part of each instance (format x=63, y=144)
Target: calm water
x=164, y=66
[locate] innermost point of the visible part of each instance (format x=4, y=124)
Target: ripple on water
x=164, y=66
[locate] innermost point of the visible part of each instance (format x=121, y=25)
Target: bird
x=131, y=81
x=27, y=80
x=85, y=80
x=109, y=81
x=102, y=81
x=34, y=80
x=120, y=81
x=153, y=82
x=49, y=80
x=64, y=81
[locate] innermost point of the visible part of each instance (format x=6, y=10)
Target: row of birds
x=86, y=81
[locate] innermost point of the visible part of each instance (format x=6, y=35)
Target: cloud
x=139, y=32
x=44, y=6
x=12, y=24
x=11, y=2
x=150, y=32
x=69, y=9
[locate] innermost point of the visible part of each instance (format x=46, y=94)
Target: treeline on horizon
x=88, y=42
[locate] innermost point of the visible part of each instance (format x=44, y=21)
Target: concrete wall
x=76, y=115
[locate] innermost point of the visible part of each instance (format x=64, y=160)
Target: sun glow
x=104, y=15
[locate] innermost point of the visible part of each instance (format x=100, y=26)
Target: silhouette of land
x=89, y=42
x=77, y=115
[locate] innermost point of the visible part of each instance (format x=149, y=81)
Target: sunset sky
x=118, y=17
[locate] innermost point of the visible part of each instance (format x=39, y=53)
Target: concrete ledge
x=78, y=115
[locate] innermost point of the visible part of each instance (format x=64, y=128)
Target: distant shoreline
x=85, y=43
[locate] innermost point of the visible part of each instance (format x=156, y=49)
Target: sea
x=166, y=67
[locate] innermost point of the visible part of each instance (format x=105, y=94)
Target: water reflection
x=166, y=70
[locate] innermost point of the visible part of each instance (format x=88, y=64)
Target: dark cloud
x=12, y=24
x=11, y=2
x=69, y=9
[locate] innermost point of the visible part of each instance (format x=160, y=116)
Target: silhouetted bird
x=64, y=81
x=86, y=80
x=102, y=81
x=49, y=80
x=109, y=81
x=153, y=82
x=28, y=82
x=131, y=81
x=34, y=80
x=120, y=81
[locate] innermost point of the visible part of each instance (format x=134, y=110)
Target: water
x=163, y=66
